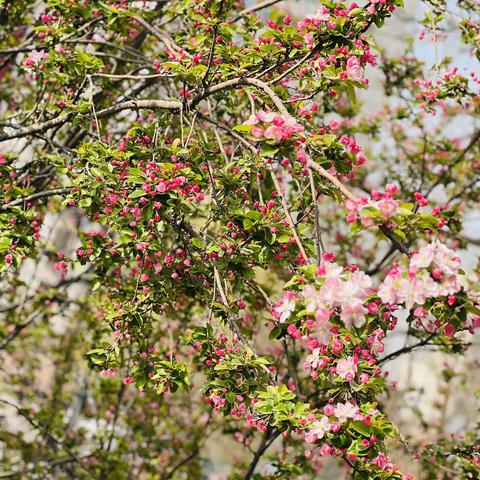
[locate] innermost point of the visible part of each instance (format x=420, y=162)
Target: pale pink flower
x=309, y=40
x=274, y=133
x=354, y=314
x=344, y=411
x=446, y=259
x=257, y=132
x=388, y=207
x=311, y=362
x=416, y=290
x=266, y=117
x=449, y=285
x=312, y=299
x=321, y=15
x=36, y=57
x=292, y=122
x=318, y=429
x=285, y=307
x=322, y=315
x=322, y=332
x=346, y=368
x=329, y=270
x=423, y=258
x=252, y=120
x=330, y=293
x=354, y=70
x=388, y=290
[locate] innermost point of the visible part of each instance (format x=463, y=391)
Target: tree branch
x=66, y=118
x=267, y=440
x=34, y=196
x=255, y=8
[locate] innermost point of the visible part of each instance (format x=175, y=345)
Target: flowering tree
x=242, y=237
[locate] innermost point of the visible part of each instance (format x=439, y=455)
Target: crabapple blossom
x=354, y=70
x=346, y=368
x=318, y=429
x=285, y=307
x=344, y=411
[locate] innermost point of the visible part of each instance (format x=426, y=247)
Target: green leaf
x=247, y=224
x=360, y=427
x=5, y=243
x=275, y=333
x=198, y=243
x=139, y=192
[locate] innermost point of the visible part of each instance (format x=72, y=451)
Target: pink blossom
x=354, y=70
x=274, y=133
x=388, y=207
x=312, y=361
x=318, y=429
x=285, y=307
x=424, y=257
x=257, y=132
x=35, y=57
x=353, y=314
x=391, y=188
x=344, y=411
x=351, y=206
x=266, y=117
x=381, y=461
x=282, y=126
x=415, y=284
x=346, y=368
x=321, y=15
x=325, y=450
x=252, y=120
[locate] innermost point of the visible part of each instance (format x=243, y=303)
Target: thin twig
x=255, y=8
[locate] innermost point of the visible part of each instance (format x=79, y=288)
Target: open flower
x=312, y=361
x=35, y=57
x=318, y=430
x=344, y=411
x=285, y=307
x=346, y=368
x=354, y=70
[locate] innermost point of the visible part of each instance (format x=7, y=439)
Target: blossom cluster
x=34, y=58
x=341, y=412
x=385, y=203
x=341, y=292
x=432, y=272
x=271, y=126
x=335, y=417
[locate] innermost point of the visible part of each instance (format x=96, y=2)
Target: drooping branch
x=235, y=82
